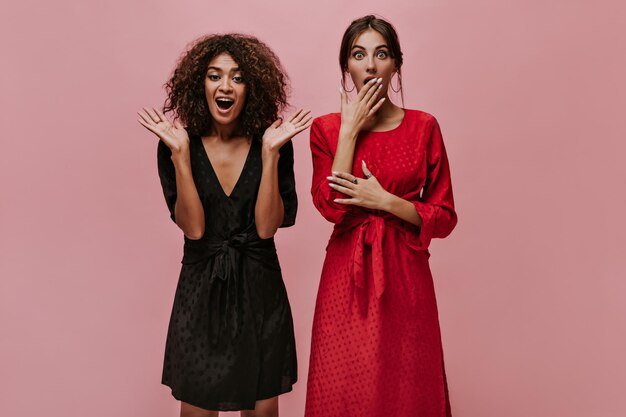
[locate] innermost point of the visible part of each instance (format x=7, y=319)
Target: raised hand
x=280, y=132
x=358, y=112
x=363, y=192
x=173, y=135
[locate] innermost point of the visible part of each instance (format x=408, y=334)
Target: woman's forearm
x=188, y=211
x=344, y=157
x=401, y=208
x=269, y=210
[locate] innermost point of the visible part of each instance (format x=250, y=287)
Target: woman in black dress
x=228, y=182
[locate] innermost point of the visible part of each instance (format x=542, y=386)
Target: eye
x=381, y=54
x=358, y=55
x=238, y=79
x=213, y=77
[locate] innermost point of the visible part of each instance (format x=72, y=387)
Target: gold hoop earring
x=399, y=83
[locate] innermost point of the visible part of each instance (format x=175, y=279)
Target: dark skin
x=227, y=153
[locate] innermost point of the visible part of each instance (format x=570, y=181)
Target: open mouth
x=367, y=80
x=224, y=103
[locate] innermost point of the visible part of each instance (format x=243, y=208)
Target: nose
x=225, y=85
x=371, y=65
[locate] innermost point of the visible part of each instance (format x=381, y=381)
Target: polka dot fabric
x=376, y=345
x=230, y=340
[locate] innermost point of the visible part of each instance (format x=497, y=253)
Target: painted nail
x=379, y=80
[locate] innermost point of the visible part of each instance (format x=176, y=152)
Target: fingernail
x=329, y=178
x=379, y=80
x=335, y=173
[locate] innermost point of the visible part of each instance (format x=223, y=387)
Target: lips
x=365, y=81
x=224, y=103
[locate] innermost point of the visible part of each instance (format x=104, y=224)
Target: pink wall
x=530, y=96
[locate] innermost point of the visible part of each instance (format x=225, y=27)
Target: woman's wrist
x=348, y=132
x=270, y=154
x=181, y=158
x=388, y=202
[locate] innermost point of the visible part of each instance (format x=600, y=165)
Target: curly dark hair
x=265, y=79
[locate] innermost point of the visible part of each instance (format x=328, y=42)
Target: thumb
x=343, y=96
x=277, y=123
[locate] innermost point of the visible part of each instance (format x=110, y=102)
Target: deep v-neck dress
x=230, y=340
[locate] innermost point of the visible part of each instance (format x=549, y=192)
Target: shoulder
x=329, y=121
x=420, y=119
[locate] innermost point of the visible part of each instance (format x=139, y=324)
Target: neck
x=386, y=112
x=223, y=132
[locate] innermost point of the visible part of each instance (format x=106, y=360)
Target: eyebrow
x=378, y=47
x=235, y=69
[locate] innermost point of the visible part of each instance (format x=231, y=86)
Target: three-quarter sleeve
x=323, y=195
x=287, y=184
x=436, y=204
x=167, y=175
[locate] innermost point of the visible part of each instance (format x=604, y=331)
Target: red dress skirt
x=376, y=345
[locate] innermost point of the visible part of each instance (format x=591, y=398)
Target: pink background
x=531, y=288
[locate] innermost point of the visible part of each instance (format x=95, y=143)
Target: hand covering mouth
x=367, y=80
x=224, y=103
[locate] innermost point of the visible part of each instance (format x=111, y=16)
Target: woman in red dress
x=381, y=175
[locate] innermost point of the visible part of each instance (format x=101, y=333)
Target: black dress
x=230, y=340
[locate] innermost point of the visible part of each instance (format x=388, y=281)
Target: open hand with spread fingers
x=355, y=114
x=280, y=132
x=173, y=135
x=363, y=192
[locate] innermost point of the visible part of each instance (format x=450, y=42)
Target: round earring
x=399, y=83
x=344, y=86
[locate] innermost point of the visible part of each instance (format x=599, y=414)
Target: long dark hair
x=265, y=79
x=381, y=26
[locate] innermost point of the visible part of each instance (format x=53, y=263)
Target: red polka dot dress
x=376, y=345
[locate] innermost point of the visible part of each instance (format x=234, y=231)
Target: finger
x=145, y=117
x=372, y=100
x=376, y=107
x=302, y=116
x=305, y=126
x=293, y=116
x=348, y=201
x=366, y=171
x=343, y=96
x=147, y=126
x=343, y=190
x=161, y=116
x=304, y=121
x=373, y=90
x=344, y=175
x=152, y=114
x=366, y=88
x=276, y=123
x=178, y=125
x=342, y=182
